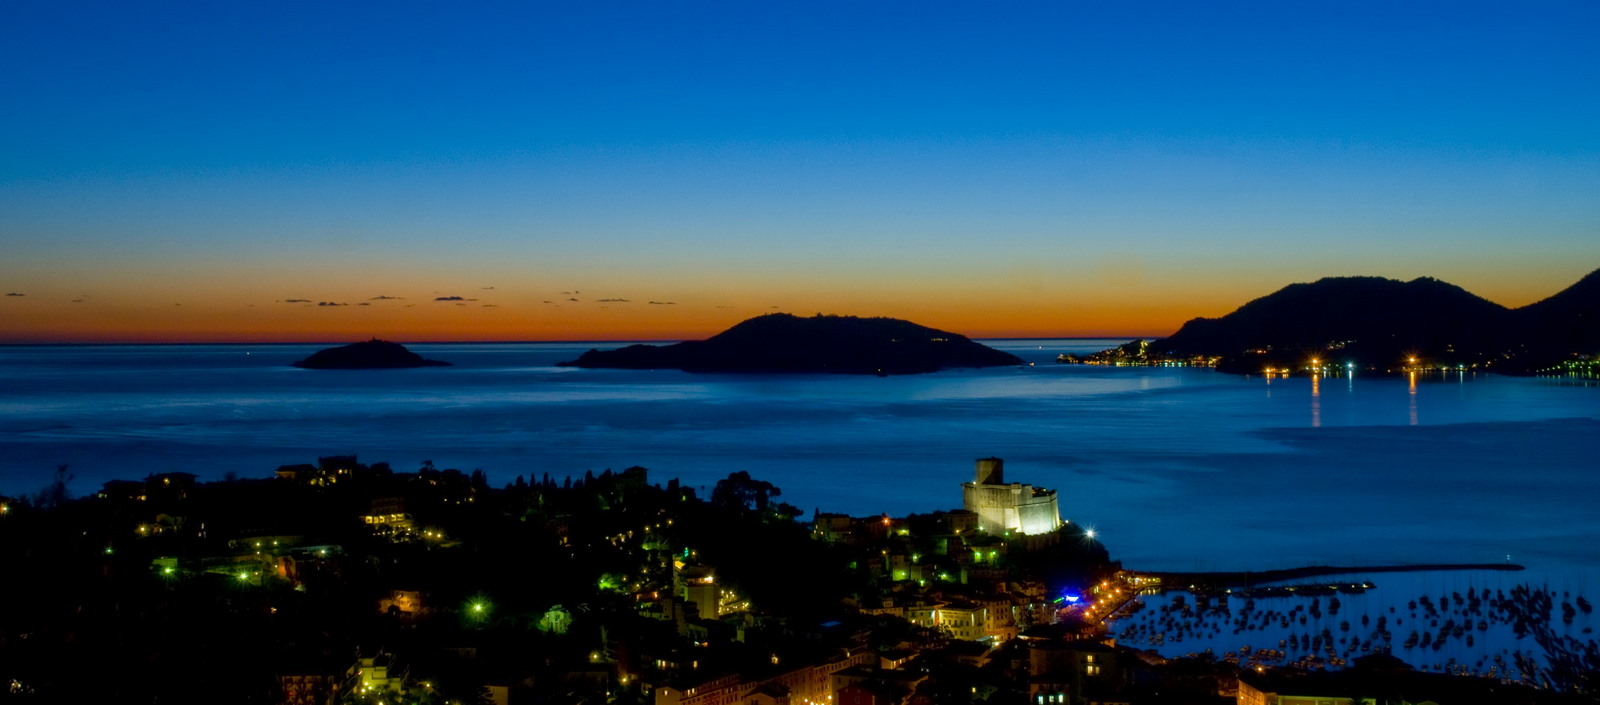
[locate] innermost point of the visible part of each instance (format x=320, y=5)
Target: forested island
x=371, y=354
x=782, y=342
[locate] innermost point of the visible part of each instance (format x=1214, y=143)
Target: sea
x=1176, y=469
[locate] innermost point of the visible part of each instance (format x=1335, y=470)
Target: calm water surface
x=1177, y=468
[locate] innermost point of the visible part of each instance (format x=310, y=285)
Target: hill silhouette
x=1373, y=322
x=782, y=342
x=367, y=355
x=1568, y=321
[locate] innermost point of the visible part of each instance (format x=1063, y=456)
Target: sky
x=299, y=171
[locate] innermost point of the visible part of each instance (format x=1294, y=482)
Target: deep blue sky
x=180, y=171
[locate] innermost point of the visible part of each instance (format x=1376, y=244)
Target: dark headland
x=1373, y=323
x=781, y=342
x=367, y=355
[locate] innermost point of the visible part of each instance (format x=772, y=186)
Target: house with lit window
x=1075, y=673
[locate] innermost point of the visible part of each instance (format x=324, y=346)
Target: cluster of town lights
x=1317, y=365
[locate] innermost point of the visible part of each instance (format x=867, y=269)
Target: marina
x=1523, y=634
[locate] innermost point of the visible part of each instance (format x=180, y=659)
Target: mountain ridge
x=1375, y=322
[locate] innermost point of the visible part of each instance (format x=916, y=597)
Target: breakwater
x=1246, y=579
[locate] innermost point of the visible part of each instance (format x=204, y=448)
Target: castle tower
x=1009, y=507
x=991, y=471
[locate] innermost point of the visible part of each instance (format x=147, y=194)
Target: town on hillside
x=344, y=582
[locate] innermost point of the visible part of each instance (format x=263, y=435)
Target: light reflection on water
x=1179, y=469
x=1182, y=469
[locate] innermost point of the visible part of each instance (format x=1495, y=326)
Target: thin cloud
x=663, y=303
x=330, y=303
x=77, y=301
x=488, y=288
x=450, y=298
x=365, y=303
x=297, y=301
x=491, y=306
x=612, y=301
x=383, y=297
x=572, y=299
x=13, y=293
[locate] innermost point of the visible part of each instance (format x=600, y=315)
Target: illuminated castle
x=1015, y=507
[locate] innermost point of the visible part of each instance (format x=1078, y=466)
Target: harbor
x=1514, y=632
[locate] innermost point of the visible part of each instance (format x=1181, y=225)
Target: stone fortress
x=1005, y=507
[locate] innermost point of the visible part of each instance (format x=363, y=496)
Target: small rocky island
x=367, y=355
x=782, y=342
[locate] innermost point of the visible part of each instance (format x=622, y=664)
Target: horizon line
x=6, y=344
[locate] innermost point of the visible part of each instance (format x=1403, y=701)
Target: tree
x=54, y=493
x=740, y=491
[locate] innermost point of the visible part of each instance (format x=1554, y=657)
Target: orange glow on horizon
x=223, y=306
x=323, y=304
x=449, y=323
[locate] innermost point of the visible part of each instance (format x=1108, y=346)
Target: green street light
x=478, y=608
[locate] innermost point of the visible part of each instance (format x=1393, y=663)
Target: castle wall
x=1013, y=507
x=1039, y=514
x=995, y=505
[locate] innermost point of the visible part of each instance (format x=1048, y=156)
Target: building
x=700, y=588
x=1076, y=672
x=803, y=685
x=1005, y=507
